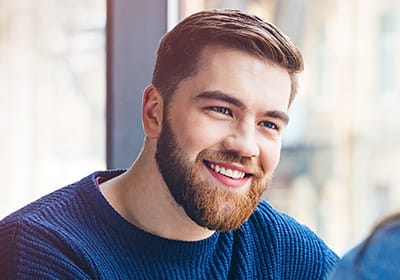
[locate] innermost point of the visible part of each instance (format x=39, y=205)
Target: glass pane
x=52, y=95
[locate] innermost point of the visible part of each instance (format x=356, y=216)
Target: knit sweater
x=74, y=233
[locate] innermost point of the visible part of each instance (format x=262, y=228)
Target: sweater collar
x=140, y=239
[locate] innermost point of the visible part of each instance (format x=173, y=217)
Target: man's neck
x=141, y=197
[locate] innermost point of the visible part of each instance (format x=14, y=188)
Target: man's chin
x=223, y=215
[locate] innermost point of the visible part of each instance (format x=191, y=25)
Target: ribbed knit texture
x=74, y=233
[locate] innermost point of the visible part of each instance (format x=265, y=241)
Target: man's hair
x=179, y=50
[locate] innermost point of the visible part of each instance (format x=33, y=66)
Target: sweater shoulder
x=283, y=227
x=280, y=224
x=295, y=243
x=44, y=207
x=45, y=212
x=45, y=230
x=72, y=198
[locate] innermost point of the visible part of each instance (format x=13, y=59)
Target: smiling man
x=189, y=207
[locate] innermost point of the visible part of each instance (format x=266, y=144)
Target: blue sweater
x=73, y=233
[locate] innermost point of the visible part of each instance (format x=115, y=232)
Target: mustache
x=233, y=157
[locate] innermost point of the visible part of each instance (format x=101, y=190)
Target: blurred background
x=60, y=96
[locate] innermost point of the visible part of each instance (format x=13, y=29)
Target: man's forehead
x=237, y=74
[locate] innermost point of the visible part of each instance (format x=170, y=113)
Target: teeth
x=235, y=174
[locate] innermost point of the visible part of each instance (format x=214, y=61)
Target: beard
x=206, y=203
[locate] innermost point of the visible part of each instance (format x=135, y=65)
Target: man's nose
x=243, y=140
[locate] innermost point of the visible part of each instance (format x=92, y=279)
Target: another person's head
x=375, y=258
x=225, y=80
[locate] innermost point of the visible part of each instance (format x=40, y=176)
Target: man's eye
x=221, y=110
x=269, y=125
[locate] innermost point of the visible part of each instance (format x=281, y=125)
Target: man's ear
x=152, y=111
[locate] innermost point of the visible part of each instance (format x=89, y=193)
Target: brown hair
x=179, y=49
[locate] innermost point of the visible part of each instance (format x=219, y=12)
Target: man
x=189, y=207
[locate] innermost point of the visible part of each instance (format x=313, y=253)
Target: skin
x=235, y=102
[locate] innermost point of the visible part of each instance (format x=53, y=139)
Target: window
x=52, y=77
x=388, y=48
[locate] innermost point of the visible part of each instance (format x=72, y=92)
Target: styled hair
x=180, y=49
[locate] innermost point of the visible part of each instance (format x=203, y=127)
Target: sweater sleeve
x=27, y=252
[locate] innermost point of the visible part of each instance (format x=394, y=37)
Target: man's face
x=221, y=136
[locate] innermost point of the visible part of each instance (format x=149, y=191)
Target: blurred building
x=347, y=137
x=352, y=100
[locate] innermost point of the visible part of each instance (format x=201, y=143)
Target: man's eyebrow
x=284, y=117
x=222, y=96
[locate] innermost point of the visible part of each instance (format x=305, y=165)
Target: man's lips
x=228, y=174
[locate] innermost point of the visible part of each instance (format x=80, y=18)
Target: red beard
x=206, y=203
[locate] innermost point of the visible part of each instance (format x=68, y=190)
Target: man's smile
x=235, y=174
x=228, y=174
